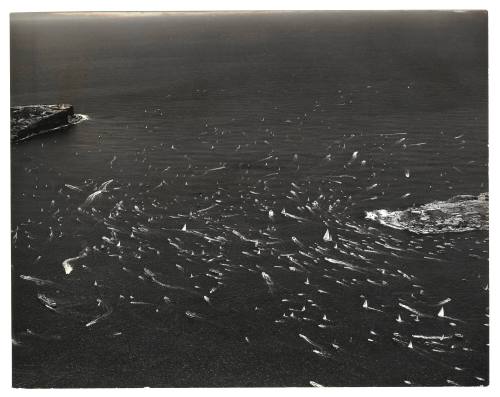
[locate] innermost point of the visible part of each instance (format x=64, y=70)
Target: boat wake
x=263, y=252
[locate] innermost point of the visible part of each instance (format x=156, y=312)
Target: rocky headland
x=458, y=214
x=33, y=120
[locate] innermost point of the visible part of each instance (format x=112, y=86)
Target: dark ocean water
x=255, y=134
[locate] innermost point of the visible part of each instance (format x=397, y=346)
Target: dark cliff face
x=26, y=121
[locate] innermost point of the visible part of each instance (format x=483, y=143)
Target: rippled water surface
x=206, y=226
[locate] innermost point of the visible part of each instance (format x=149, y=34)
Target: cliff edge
x=33, y=120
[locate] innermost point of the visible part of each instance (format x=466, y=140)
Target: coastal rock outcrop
x=458, y=214
x=33, y=120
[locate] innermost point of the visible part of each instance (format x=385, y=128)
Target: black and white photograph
x=240, y=199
